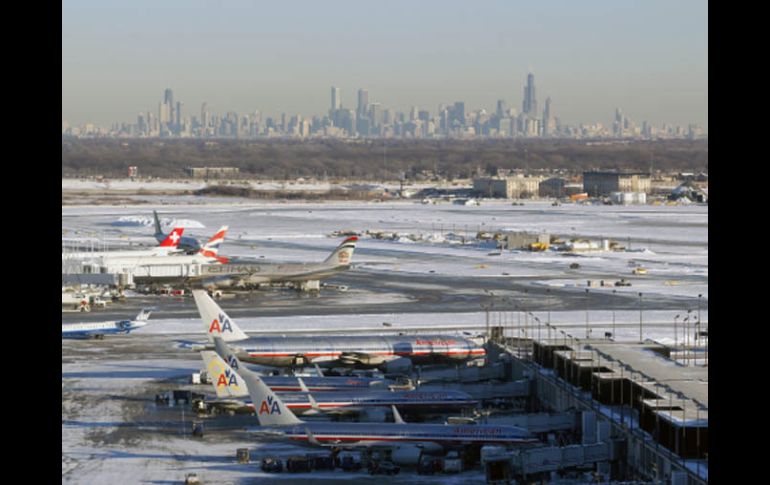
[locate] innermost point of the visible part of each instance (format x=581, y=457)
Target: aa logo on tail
x=270, y=406
x=223, y=327
x=227, y=378
x=232, y=361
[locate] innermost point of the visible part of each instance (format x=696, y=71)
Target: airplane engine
x=409, y=455
x=401, y=365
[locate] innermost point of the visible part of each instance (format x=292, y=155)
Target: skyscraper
x=168, y=97
x=529, y=106
x=205, y=115
x=502, y=109
x=335, y=98
x=363, y=103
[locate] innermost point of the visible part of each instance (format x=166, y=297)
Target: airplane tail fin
x=396, y=415
x=143, y=315
x=158, y=230
x=173, y=238
x=343, y=254
x=271, y=411
x=211, y=248
x=227, y=383
x=223, y=350
x=215, y=320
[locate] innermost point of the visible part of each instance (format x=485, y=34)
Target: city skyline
x=648, y=57
x=375, y=120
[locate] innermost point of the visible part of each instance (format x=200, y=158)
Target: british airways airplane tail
x=343, y=254
x=211, y=248
x=215, y=320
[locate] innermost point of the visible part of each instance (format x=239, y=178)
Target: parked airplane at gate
x=406, y=441
x=167, y=246
x=231, y=390
x=248, y=273
x=100, y=329
x=388, y=351
x=186, y=243
x=207, y=254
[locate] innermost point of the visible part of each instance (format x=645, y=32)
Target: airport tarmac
x=112, y=430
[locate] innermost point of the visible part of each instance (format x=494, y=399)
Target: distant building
x=552, y=187
x=507, y=187
x=211, y=172
x=336, y=101
x=602, y=184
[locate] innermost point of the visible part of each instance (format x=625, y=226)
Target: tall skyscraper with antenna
x=529, y=106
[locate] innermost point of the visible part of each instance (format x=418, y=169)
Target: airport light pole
x=687, y=340
x=614, y=293
x=588, y=330
x=641, y=339
x=684, y=336
x=675, y=318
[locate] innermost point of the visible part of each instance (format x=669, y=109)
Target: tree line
x=375, y=159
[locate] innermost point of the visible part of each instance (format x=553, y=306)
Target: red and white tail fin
x=173, y=238
x=211, y=248
x=343, y=254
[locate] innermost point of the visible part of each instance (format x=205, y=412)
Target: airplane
x=207, y=254
x=406, y=441
x=187, y=244
x=248, y=273
x=321, y=383
x=99, y=329
x=231, y=389
x=391, y=352
x=167, y=246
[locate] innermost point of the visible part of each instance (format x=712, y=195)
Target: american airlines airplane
x=99, y=329
x=231, y=389
x=389, y=351
x=406, y=441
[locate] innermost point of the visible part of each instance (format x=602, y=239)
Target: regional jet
x=99, y=329
x=389, y=352
x=406, y=441
x=231, y=390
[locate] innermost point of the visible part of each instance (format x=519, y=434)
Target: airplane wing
x=363, y=358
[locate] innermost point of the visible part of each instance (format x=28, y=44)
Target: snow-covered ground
x=671, y=242
x=104, y=398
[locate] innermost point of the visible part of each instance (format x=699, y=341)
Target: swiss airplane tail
x=211, y=248
x=173, y=238
x=343, y=254
x=215, y=320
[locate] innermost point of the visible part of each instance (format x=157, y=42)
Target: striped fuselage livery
x=355, y=350
x=299, y=403
x=87, y=330
x=374, y=434
x=323, y=384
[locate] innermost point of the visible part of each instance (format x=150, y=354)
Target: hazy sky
x=648, y=57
